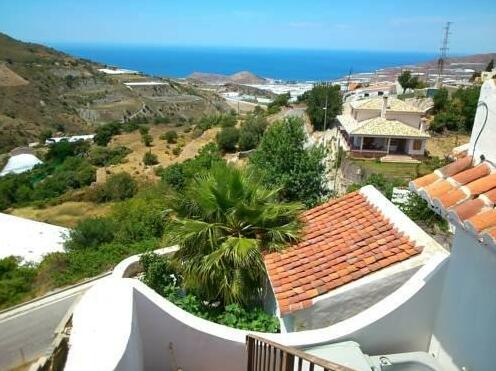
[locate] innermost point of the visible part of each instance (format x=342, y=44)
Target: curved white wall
x=125, y=325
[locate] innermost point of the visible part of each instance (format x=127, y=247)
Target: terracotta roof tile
x=343, y=240
x=472, y=199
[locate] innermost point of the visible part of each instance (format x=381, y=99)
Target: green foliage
x=459, y=112
x=90, y=233
x=407, y=81
x=281, y=100
x=418, y=210
x=316, y=102
x=150, y=159
x=118, y=187
x=147, y=139
x=170, y=136
x=227, y=139
x=282, y=160
x=273, y=110
x=251, y=132
x=441, y=99
x=140, y=218
x=222, y=120
x=161, y=275
x=16, y=280
x=176, y=151
x=224, y=220
x=158, y=272
x=104, y=156
x=104, y=133
x=178, y=175
x=58, y=152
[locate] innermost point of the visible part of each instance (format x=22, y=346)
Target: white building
x=378, y=127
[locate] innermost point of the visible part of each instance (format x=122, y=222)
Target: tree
x=407, y=81
x=150, y=159
x=283, y=159
x=490, y=66
x=118, y=187
x=104, y=133
x=227, y=139
x=316, y=103
x=251, y=132
x=441, y=100
x=223, y=222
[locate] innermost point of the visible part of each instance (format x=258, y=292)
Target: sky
x=311, y=24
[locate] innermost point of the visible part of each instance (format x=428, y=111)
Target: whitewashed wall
x=465, y=329
x=410, y=118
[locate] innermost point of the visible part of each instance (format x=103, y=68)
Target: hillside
x=243, y=77
x=43, y=89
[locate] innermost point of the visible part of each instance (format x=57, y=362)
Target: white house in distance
x=442, y=318
x=382, y=126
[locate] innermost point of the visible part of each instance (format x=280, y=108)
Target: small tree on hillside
x=283, y=159
x=441, y=100
x=316, y=103
x=227, y=139
x=405, y=80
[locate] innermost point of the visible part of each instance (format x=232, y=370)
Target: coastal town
x=237, y=221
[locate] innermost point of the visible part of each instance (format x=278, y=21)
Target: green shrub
x=147, y=139
x=118, y=187
x=227, y=139
x=150, y=159
x=176, y=151
x=177, y=175
x=103, y=156
x=16, y=280
x=251, y=132
x=90, y=233
x=170, y=136
x=104, y=133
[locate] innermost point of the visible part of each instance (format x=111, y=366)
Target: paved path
x=27, y=331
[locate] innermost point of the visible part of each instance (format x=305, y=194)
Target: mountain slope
x=41, y=88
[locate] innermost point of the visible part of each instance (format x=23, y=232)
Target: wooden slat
x=287, y=355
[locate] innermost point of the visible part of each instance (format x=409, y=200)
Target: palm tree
x=224, y=222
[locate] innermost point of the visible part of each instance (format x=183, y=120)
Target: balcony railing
x=265, y=355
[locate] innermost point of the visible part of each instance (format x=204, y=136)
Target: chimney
x=384, y=106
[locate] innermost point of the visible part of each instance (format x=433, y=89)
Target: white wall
x=465, y=330
x=124, y=325
x=335, y=308
x=485, y=145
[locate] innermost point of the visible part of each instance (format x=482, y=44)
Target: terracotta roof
x=464, y=192
x=344, y=239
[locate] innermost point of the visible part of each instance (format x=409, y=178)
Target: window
x=417, y=144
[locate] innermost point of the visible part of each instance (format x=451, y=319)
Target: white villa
x=378, y=127
x=441, y=317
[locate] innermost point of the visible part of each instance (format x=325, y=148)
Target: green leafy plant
x=227, y=139
x=150, y=159
x=282, y=159
x=223, y=221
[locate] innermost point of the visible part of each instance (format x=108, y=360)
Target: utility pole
x=443, y=54
x=325, y=110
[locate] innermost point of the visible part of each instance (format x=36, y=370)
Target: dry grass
x=442, y=145
x=66, y=214
x=134, y=161
x=10, y=78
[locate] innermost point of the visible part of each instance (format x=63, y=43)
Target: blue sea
x=284, y=64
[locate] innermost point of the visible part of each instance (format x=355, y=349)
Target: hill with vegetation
x=242, y=77
x=42, y=89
